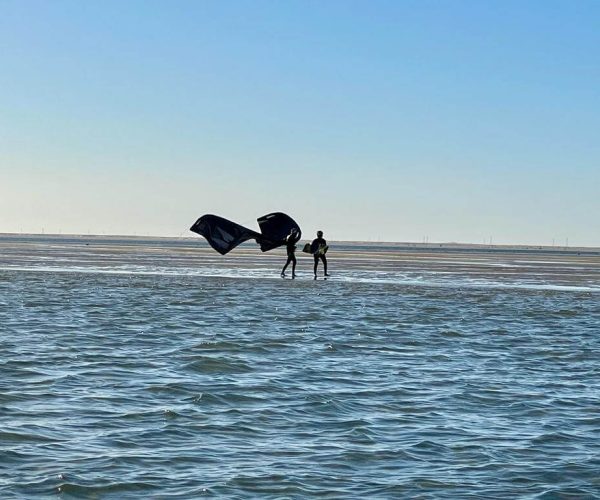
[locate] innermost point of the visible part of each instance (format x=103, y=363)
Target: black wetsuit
x=314, y=246
x=290, y=245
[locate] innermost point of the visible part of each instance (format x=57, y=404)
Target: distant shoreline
x=407, y=245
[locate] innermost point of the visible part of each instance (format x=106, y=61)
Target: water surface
x=136, y=368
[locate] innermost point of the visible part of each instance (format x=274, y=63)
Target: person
x=318, y=248
x=290, y=244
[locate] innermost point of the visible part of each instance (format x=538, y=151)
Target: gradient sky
x=372, y=120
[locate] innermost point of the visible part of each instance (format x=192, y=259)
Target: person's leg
x=285, y=267
x=293, y=266
x=324, y=264
x=316, y=264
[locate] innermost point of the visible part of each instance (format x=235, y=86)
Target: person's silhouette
x=290, y=244
x=318, y=248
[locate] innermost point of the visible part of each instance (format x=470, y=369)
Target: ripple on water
x=145, y=386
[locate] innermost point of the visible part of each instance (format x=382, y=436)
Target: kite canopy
x=224, y=235
x=274, y=228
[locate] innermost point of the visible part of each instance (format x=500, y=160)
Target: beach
x=435, y=264
x=154, y=367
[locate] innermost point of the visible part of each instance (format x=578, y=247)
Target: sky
x=450, y=121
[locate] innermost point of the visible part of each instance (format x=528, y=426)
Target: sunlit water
x=158, y=369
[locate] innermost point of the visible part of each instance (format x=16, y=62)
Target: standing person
x=318, y=247
x=290, y=244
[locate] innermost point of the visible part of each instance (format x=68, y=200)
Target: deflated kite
x=224, y=235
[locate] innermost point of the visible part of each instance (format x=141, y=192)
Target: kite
x=224, y=235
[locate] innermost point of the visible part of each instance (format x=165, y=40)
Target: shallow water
x=136, y=369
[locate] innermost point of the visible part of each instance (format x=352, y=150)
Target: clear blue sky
x=391, y=120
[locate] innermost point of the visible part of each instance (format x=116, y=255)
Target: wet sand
x=448, y=263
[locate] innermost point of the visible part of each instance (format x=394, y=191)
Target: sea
x=157, y=368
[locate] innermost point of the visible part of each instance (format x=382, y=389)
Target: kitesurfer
x=290, y=244
x=318, y=247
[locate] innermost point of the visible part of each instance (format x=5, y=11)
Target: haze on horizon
x=383, y=120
